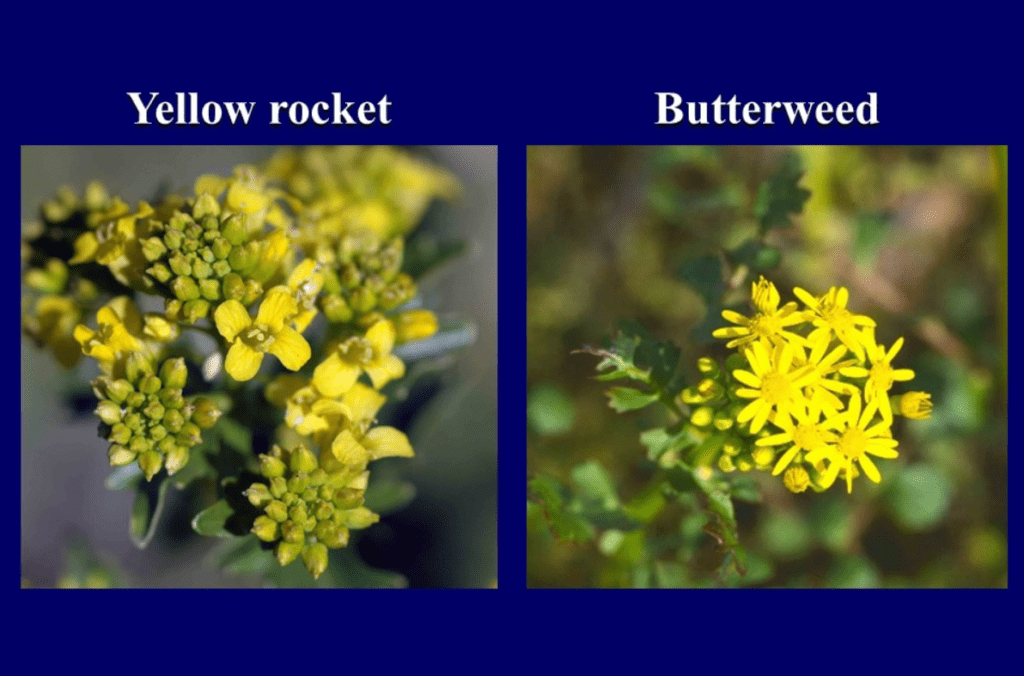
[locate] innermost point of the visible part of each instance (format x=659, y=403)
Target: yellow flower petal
x=384, y=371
x=347, y=450
x=747, y=378
x=362, y=402
x=291, y=348
x=246, y=200
x=277, y=308
x=386, y=442
x=85, y=248
x=333, y=376
x=242, y=361
x=231, y=319
x=869, y=468
x=211, y=184
x=282, y=388
x=381, y=337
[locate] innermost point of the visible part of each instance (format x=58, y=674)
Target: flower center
x=807, y=437
x=881, y=375
x=839, y=318
x=259, y=337
x=775, y=388
x=357, y=350
x=853, y=442
x=765, y=325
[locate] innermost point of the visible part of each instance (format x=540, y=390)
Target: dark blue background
x=511, y=76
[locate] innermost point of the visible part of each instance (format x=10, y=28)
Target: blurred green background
x=74, y=531
x=917, y=234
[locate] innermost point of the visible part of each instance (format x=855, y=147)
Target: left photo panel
x=254, y=366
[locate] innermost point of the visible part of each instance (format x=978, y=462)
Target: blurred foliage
x=668, y=236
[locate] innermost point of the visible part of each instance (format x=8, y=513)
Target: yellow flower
x=415, y=325
x=349, y=450
x=250, y=340
x=772, y=385
x=856, y=442
x=882, y=374
x=369, y=354
x=768, y=324
x=53, y=325
x=807, y=434
x=829, y=314
x=822, y=388
x=916, y=405
x=119, y=332
x=796, y=479
x=305, y=283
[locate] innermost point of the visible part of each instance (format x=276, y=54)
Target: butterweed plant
x=250, y=262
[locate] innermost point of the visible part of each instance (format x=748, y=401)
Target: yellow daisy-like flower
x=772, y=385
x=881, y=375
x=369, y=354
x=822, y=388
x=250, y=339
x=856, y=442
x=119, y=332
x=830, y=315
x=768, y=324
x=806, y=434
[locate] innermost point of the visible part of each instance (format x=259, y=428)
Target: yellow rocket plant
x=251, y=260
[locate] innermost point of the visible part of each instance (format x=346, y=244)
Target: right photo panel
x=766, y=366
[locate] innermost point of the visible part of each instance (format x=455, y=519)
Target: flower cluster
x=251, y=259
x=806, y=395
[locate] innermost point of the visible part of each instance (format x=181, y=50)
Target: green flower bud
x=244, y=258
x=732, y=446
x=174, y=373
x=158, y=433
x=736, y=361
x=139, y=445
x=362, y=299
x=708, y=366
x=331, y=534
x=336, y=309
x=258, y=495
x=154, y=411
x=150, y=385
x=172, y=309
x=120, y=456
x=278, y=486
x=210, y=289
x=726, y=464
x=723, y=421
x=710, y=389
x=201, y=269
x=221, y=269
x=287, y=551
x=206, y=253
x=179, y=264
x=133, y=421
x=120, y=434
x=211, y=223
x=185, y=288
x=150, y=463
x=205, y=414
x=189, y=435
x=277, y=511
x=233, y=230
x=309, y=495
x=349, y=276
x=194, y=310
x=691, y=396
x=702, y=416
x=153, y=249
x=159, y=272
x=167, y=445
x=348, y=498
x=176, y=459
x=265, y=529
x=253, y=290
x=221, y=248
x=314, y=556
x=174, y=238
x=271, y=467
x=292, y=532
x=324, y=510
x=297, y=484
x=233, y=287
x=317, y=477
x=136, y=400
x=763, y=456
x=302, y=460
x=173, y=420
x=744, y=464
x=137, y=367
x=796, y=479
x=109, y=412
x=360, y=517
x=178, y=221
x=119, y=390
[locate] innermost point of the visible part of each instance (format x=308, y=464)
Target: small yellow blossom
x=415, y=325
x=856, y=441
x=770, y=322
x=806, y=434
x=54, y=325
x=369, y=354
x=829, y=315
x=250, y=339
x=119, y=332
x=916, y=405
x=772, y=385
x=881, y=375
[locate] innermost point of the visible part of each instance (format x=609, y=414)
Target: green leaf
x=124, y=477
x=388, y=495
x=756, y=255
x=786, y=535
x=198, y=467
x=347, y=570
x=150, y=498
x=595, y=484
x=211, y=521
x=244, y=556
x=704, y=273
x=920, y=497
x=549, y=411
x=553, y=496
x=780, y=195
x=235, y=435
x=627, y=399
